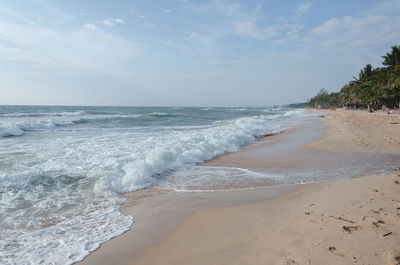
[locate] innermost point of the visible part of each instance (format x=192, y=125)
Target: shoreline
x=156, y=216
x=145, y=232
x=170, y=213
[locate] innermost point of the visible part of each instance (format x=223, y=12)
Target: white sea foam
x=291, y=113
x=105, y=117
x=60, y=239
x=158, y=114
x=18, y=124
x=215, y=178
x=42, y=114
x=171, y=150
x=14, y=127
x=10, y=130
x=64, y=185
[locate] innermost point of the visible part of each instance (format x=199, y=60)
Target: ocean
x=63, y=169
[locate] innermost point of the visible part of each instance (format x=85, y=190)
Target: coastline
x=229, y=227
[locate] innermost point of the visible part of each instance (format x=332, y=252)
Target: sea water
x=63, y=169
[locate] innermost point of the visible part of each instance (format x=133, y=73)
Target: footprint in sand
x=332, y=249
x=351, y=229
x=336, y=252
x=374, y=212
x=378, y=223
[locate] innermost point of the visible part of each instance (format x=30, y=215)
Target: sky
x=187, y=52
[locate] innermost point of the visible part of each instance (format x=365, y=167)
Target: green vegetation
x=376, y=86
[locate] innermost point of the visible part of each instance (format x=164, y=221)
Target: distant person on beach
x=370, y=107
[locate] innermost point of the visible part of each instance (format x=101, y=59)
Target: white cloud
x=293, y=31
x=108, y=23
x=26, y=46
x=204, y=45
x=193, y=35
x=119, y=21
x=357, y=31
x=303, y=8
x=18, y=16
x=355, y=40
x=90, y=26
x=229, y=9
x=248, y=29
x=240, y=19
x=167, y=11
x=141, y=16
x=112, y=21
x=299, y=11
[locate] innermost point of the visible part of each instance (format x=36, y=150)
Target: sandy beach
x=359, y=131
x=199, y=132
x=346, y=221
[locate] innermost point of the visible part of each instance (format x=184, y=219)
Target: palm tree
x=365, y=73
x=392, y=58
x=379, y=85
x=392, y=61
x=393, y=84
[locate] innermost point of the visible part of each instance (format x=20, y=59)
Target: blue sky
x=186, y=52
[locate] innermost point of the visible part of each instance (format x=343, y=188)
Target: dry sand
x=343, y=222
x=359, y=131
x=348, y=221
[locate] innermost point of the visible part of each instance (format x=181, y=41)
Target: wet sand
x=303, y=153
x=349, y=221
x=342, y=222
x=159, y=214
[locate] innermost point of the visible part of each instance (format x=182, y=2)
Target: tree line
x=374, y=86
